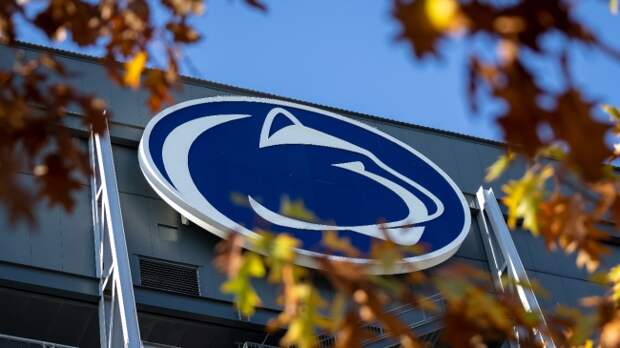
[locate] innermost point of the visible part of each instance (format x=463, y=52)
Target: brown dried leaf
x=417, y=28
x=573, y=122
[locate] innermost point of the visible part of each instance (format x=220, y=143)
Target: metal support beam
x=504, y=259
x=118, y=318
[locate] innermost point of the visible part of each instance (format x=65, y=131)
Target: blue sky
x=343, y=54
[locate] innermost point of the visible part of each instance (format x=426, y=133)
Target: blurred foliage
x=567, y=190
x=33, y=105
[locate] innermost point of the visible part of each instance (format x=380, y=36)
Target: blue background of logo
x=226, y=159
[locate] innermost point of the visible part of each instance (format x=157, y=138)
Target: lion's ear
x=277, y=119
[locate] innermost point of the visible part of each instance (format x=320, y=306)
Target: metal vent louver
x=169, y=276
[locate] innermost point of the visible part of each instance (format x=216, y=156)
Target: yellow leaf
x=296, y=209
x=301, y=329
x=133, y=69
x=524, y=196
x=582, y=325
x=278, y=249
x=255, y=267
x=240, y=286
x=284, y=247
x=239, y=199
x=613, y=111
x=335, y=243
x=497, y=168
x=552, y=151
x=614, y=278
x=442, y=13
x=613, y=6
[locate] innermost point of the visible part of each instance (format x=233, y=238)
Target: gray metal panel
x=6, y=57
x=563, y=290
x=130, y=178
x=60, y=240
x=163, y=246
x=51, y=281
x=15, y=239
x=77, y=237
x=137, y=220
x=153, y=230
x=488, y=154
x=190, y=91
x=468, y=162
x=538, y=258
x=472, y=245
x=46, y=245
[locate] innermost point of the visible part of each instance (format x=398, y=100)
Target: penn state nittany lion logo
x=201, y=156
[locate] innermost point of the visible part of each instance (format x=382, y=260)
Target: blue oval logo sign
x=230, y=163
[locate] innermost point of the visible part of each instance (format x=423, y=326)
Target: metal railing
x=504, y=260
x=118, y=319
x=410, y=315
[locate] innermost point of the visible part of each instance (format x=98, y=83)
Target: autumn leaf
x=552, y=151
x=501, y=164
x=515, y=85
x=259, y=5
x=279, y=250
x=335, y=243
x=564, y=222
x=579, y=129
x=582, y=325
x=613, y=111
x=610, y=335
x=229, y=254
x=417, y=28
x=239, y=199
x=442, y=14
x=524, y=196
x=614, y=278
x=386, y=253
x=296, y=209
x=239, y=285
x=134, y=68
x=182, y=32
x=56, y=182
x=301, y=329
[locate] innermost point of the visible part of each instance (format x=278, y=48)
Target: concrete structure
x=50, y=274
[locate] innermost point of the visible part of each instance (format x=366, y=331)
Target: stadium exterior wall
x=48, y=280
